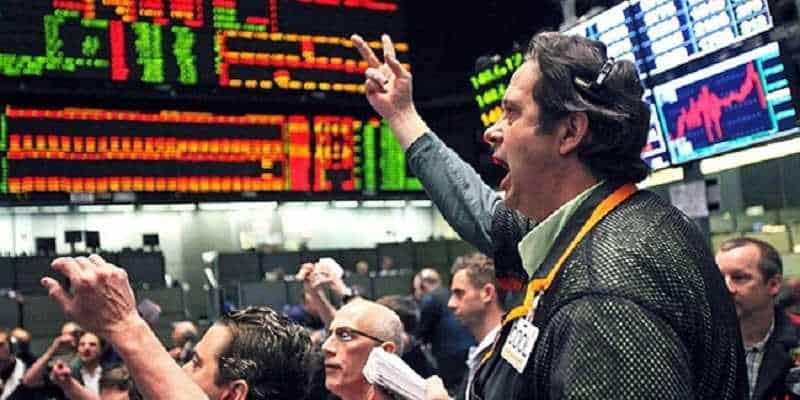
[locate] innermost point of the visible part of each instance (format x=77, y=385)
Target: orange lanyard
x=536, y=287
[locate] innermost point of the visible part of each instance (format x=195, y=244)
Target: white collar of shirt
x=91, y=379
x=13, y=380
x=475, y=352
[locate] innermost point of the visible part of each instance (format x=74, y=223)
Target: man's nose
x=729, y=285
x=327, y=346
x=493, y=135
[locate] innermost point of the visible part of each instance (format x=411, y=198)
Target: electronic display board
x=674, y=32
x=88, y=155
x=275, y=47
x=614, y=27
x=490, y=82
x=729, y=105
x=658, y=35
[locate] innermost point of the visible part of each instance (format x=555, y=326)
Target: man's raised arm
x=103, y=303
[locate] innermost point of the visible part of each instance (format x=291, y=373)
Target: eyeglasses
x=346, y=334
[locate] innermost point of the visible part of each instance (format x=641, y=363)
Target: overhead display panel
x=83, y=155
x=673, y=32
x=726, y=106
x=278, y=47
x=617, y=29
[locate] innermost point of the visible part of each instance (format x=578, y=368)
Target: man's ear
x=774, y=284
x=389, y=347
x=236, y=390
x=575, y=131
x=488, y=292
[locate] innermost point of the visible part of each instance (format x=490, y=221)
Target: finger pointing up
x=366, y=53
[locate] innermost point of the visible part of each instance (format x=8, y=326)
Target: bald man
x=356, y=329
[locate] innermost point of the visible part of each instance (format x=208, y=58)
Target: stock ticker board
x=111, y=155
x=86, y=153
x=266, y=46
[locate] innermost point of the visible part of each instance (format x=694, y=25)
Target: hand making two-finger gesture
x=388, y=89
x=388, y=84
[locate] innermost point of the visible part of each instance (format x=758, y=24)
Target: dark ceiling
x=447, y=36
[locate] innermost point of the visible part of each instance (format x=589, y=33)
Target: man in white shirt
x=89, y=351
x=11, y=368
x=477, y=301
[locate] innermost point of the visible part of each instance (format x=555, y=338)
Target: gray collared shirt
x=753, y=356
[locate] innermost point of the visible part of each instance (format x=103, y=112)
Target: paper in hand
x=391, y=373
x=327, y=264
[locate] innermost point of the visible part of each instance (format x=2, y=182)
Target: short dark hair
x=271, y=353
x=117, y=376
x=769, y=261
x=480, y=271
x=619, y=119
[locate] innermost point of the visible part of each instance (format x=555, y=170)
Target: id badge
x=519, y=344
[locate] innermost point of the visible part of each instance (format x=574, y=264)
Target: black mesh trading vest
x=638, y=311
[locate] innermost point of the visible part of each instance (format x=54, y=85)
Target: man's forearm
x=75, y=391
x=34, y=375
x=156, y=374
x=465, y=201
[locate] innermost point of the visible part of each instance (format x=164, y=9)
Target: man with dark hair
x=449, y=339
x=184, y=337
x=256, y=353
x=624, y=300
x=477, y=301
x=753, y=270
x=11, y=368
x=417, y=356
x=252, y=354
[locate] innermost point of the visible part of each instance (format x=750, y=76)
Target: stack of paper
x=392, y=374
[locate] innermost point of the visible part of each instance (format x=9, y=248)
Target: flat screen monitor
x=672, y=33
x=150, y=239
x=617, y=29
x=736, y=103
x=45, y=245
x=73, y=236
x=92, y=239
x=659, y=35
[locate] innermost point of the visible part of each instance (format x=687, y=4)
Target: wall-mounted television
x=729, y=105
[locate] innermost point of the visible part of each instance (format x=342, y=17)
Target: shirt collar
x=535, y=246
x=477, y=351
